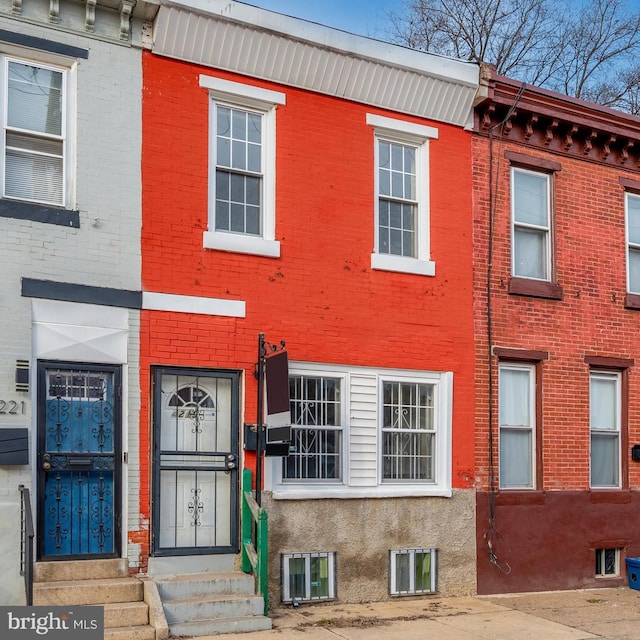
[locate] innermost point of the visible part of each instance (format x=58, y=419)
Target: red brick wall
x=590, y=320
x=546, y=539
x=321, y=295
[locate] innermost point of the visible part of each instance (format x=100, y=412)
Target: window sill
x=39, y=213
x=237, y=243
x=348, y=493
x=632, y=301
x=609, y=496
x=402, y=264
x=535, y=289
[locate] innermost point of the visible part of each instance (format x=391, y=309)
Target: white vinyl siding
x=363, y=437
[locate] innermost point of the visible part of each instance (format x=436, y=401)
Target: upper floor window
x=242, y=124
x=530, y=206
x=633, y=242
x=35, y=155
x=402, y=195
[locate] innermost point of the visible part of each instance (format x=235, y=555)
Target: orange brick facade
x=546, y=538
x=321, y=296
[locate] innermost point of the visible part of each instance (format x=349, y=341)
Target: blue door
x=78, y=461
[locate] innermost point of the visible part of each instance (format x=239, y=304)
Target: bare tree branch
x=588, y=50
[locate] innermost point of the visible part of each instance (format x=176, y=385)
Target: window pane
x=604, y=460
x=423, y=571
x=530, y=199
x=314, y=403
x=34, y=177
x=515, y=409
x=237, y=218
x=403, y=573
x=35, y=99
x=634, y=270
x=603, y=403
x=254, y=127
x=297, y=579
x=320, y=577
x=515, y=458
x=530, y=253
x=633, y=218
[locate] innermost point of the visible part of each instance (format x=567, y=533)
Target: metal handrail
x=254, y=539
x=26, y=542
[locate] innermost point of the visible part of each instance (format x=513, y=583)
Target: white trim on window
x=262, y=102
x=65, y=197
x=632, y=237
x=416, y=136
x=362, y=437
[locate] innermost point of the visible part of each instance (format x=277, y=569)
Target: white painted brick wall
x=105, y=251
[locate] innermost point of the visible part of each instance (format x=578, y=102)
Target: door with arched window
x=195, y=461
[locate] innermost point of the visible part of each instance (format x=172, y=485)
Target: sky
x=364, y=17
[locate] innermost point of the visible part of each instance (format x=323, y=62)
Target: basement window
x=607, y=563
x=307, y=577
x=412, y=571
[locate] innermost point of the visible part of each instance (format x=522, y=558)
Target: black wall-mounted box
x=14, y=446
x=635, y=452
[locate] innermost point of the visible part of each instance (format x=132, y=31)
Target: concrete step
x=130, y=633
x=80, y=570
x=72, y=592
x=223, y=606
x=218, y=626
x=181, y=587
x=125, y=614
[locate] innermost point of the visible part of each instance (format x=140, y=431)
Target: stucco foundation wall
x=362, y=532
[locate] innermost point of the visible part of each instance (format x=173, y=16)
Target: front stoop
x=97, y=582
x=215, y=603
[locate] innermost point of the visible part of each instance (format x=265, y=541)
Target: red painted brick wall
x=321, y=295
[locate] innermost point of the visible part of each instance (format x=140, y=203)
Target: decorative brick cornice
x=549, y=121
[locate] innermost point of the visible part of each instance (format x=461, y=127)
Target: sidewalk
x=611, y=614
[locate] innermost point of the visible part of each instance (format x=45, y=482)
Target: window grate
x=412, y=571
x=308, y=577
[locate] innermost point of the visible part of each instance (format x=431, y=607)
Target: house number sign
x=12, y=407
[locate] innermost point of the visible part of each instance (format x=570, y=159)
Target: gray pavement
x=597, y=614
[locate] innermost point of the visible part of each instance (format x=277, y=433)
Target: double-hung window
x=533, y=270
x=402, y=195
x=517, y=415
x=242, y=124
x=35, y=149
x=408, y=431
x=316, y=418
x=633, y=242
x=605, y=428
x=530, y=206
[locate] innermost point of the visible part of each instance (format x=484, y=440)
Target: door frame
x=41, y=421
x=157, y=373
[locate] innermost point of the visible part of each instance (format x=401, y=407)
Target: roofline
x=451, y=69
